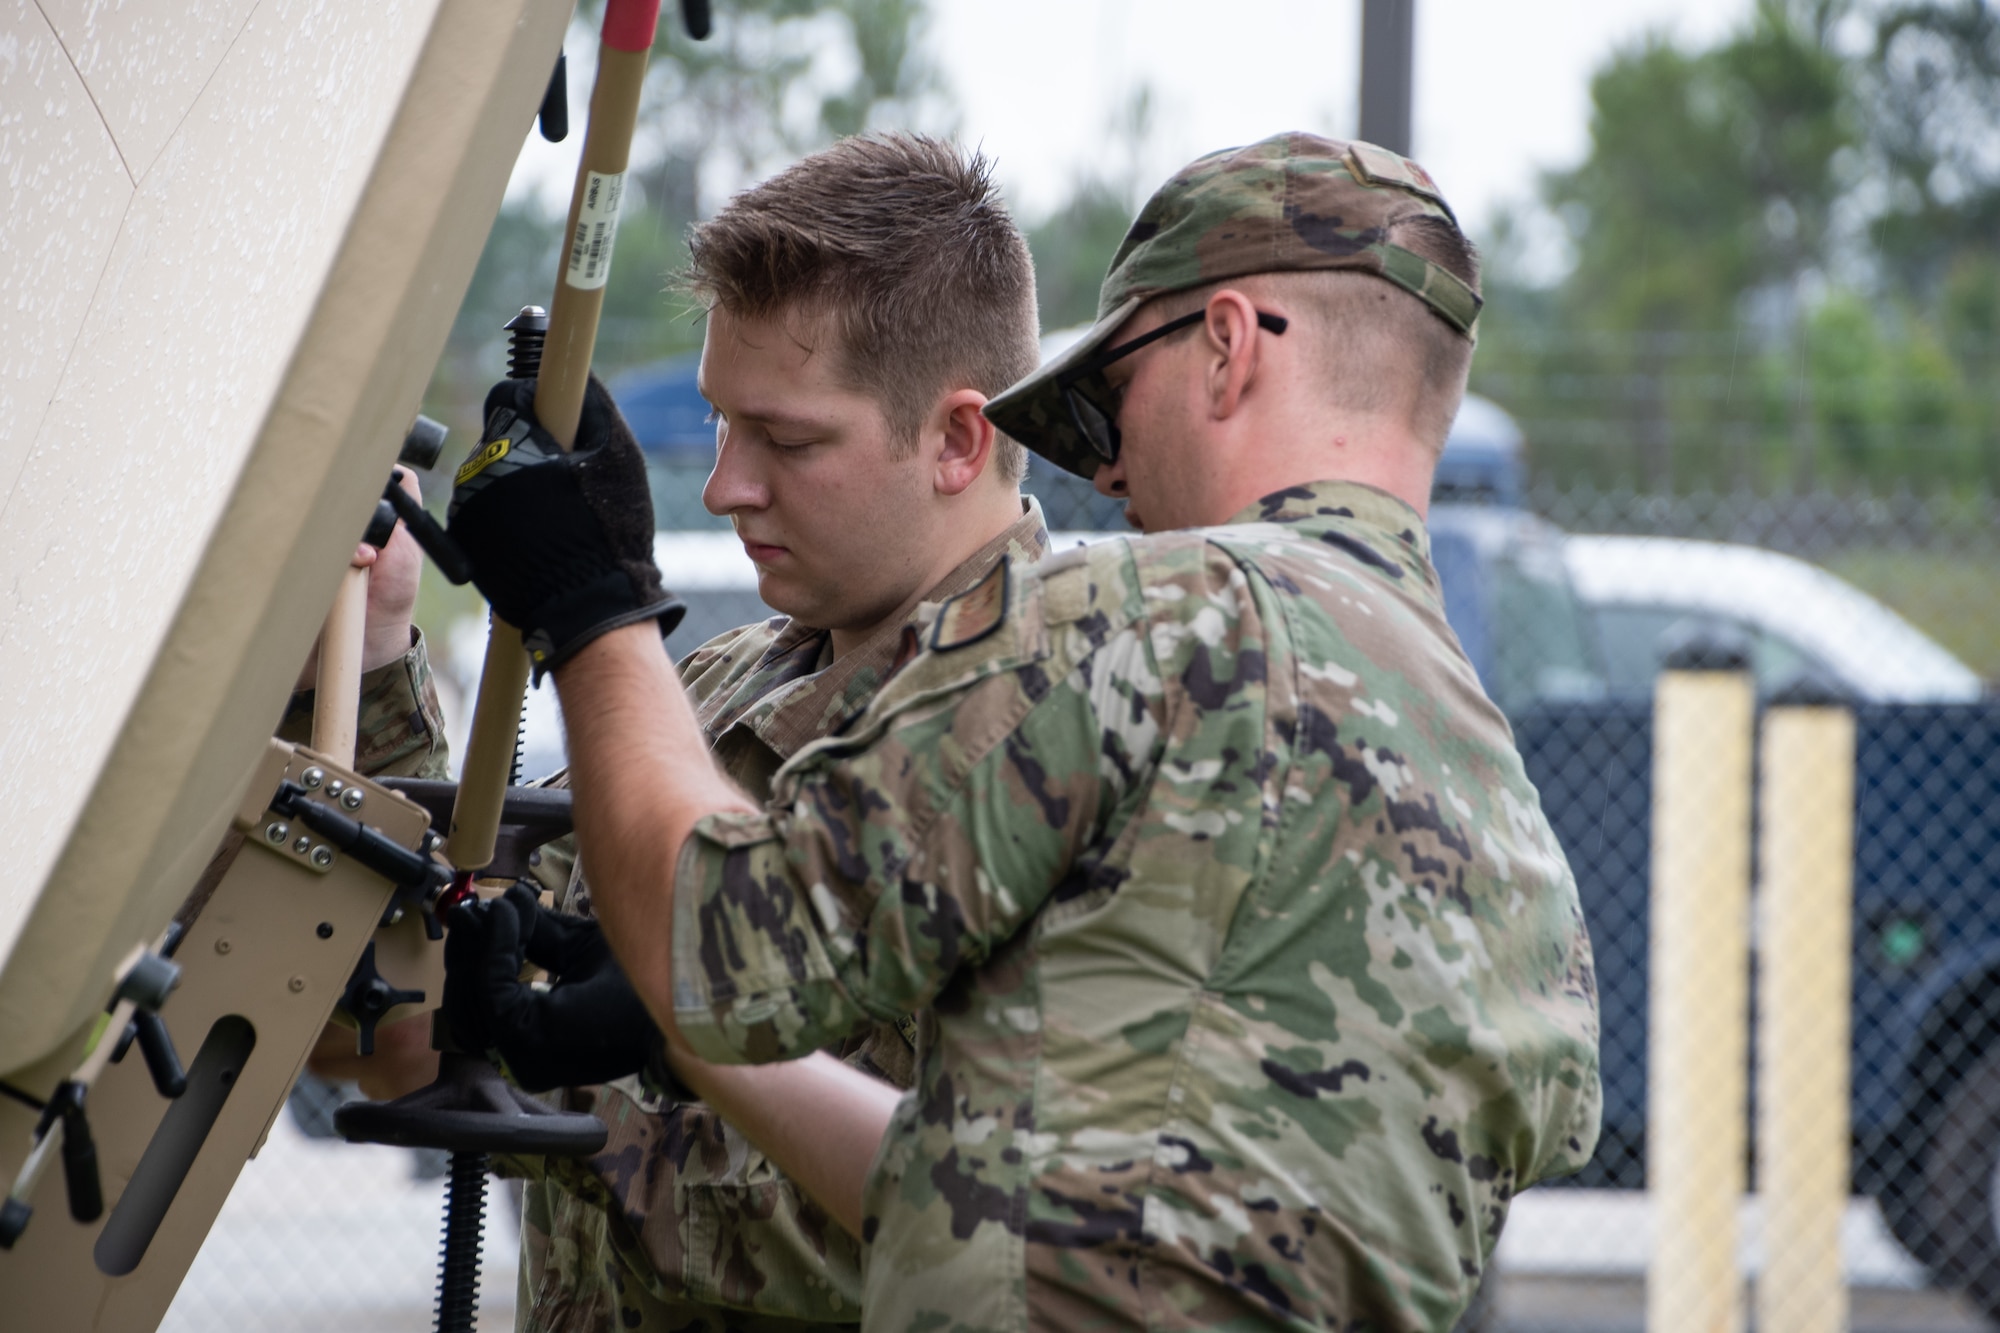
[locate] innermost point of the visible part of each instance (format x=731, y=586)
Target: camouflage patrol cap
x=1288, y=203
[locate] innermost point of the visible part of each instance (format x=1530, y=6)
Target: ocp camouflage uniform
x=1260, y=981
x=679, y=1224
x=399, y=731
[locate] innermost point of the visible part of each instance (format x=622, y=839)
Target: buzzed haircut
x=1384, y=350
x=900, y=244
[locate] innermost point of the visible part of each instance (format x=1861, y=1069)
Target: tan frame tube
x=274, y=944
x=565, y=372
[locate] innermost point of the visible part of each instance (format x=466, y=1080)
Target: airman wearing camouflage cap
x=1260, y=981
x=1291, y=203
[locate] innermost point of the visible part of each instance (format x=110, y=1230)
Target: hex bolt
x=303, y=845
x=312, y=777
x=322, y=857
x=223, y=946
x=296, y=985
x=324, y=930
x=351, y=798
x=276, y=833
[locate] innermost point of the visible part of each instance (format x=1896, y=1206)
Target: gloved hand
x=588, y=1027
x=560, y=543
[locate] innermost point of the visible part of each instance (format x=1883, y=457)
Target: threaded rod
x=458, y=1267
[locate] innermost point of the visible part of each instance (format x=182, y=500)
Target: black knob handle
x=554, y=115
x=79, y=1155
x=437, y=544
x=14, y=1217
x=369, y=996
x=381, y=524
x=424, y=445
x=163, y=1062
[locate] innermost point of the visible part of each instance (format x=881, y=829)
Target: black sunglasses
x=1093, y=403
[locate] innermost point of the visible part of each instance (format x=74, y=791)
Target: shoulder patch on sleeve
x=973, y=614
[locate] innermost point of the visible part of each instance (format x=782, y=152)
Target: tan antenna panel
x=235, y=238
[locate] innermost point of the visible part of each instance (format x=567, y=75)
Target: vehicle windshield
x=1543, y=649
x=1633, y=637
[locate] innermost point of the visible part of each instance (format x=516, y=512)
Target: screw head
x=302, y=844
x=276, y=832
x=334, y=786
x=351, y=798
x=223, y=946
x=312, y=777
x=295, y=985
x=322, y=857
x=324, y=930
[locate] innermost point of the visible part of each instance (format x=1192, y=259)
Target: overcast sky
x=1502, y=90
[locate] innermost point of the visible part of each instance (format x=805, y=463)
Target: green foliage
x=1786, y=263
x=1932, y=84
x=1950, y=595
x=1073, y=248
x=1709, y=175
x=1073, y=244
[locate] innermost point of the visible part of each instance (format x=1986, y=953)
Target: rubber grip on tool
x=629, y=25
x=79, y=1158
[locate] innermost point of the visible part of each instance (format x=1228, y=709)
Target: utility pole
x=1388, y=55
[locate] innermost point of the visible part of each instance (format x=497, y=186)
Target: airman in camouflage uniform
x=1260, y=980
x=679, y=1223
x=400, y=728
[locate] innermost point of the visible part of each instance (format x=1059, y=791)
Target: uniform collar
x=1389, y=526
x=796, y=694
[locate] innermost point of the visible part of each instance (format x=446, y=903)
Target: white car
x=1798, y=618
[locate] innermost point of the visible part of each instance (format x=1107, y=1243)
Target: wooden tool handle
x=565, y=372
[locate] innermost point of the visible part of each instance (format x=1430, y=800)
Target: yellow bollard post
x=1703, y=713
x=1804, y=993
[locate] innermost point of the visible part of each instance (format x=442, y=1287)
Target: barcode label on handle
x=596, y=228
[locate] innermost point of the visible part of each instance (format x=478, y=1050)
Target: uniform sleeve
x=401, y=726
x=887, y=863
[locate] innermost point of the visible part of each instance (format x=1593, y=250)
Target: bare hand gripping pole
x=565, y=371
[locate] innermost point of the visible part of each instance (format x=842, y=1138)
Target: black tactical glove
x=589, y=1027
x=560, y=543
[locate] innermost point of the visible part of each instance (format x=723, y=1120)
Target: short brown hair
x=900, y=242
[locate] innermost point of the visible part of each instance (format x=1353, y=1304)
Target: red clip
x=460, y=891
x=629, y=24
